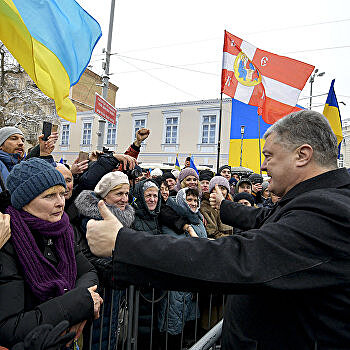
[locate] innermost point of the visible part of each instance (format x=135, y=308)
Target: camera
x=134, y=173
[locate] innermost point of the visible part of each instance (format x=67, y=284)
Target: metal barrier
x=151, y=319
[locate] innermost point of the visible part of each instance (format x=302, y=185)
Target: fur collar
x=86, y=204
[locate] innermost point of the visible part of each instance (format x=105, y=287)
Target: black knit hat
x=224, y=167
x=244, y=195
x=168, y=175
x=30, y=178
x=206, y=174
x=256, y=179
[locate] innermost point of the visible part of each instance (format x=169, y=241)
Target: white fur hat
x=109, y=181
x=156, y=172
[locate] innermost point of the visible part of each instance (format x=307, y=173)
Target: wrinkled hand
x=78, y=330
x=79, y=167
x=97, y=301
x=5, y=230
x=94, y=155
x=125, y=160
x=141, y=135
x=216, y=197
x=101, y=234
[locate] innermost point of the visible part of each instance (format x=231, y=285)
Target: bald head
x=68, y=177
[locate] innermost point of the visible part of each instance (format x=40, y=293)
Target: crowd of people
x=53, y=265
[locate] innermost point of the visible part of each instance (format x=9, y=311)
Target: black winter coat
x=21, y=311
x=290, y=269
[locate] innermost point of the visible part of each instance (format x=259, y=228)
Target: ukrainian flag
x=177, y=164
x=332, y=113
x=247, y=115
x=53, y=41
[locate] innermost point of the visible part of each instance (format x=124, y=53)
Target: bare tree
x=21, y=102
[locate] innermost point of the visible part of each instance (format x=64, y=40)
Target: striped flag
x=177, y=164
x=332, y=113
x=262, y=79
x=193, y=166
x=53, y=41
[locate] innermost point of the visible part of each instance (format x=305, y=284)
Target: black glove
x=46, y=337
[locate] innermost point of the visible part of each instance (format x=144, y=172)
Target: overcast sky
x=149, y=36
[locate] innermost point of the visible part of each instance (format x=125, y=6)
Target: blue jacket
x=7, y=162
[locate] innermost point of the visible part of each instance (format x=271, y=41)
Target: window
x=87, y=128
x=111, y=133
x=171, y=128
x=65, y=135
x=139, y=124
x=208, y=129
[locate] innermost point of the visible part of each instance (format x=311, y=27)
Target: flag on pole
x=53, y=41
x=243, y=114
x=332, y=113
x=192, y=165
x=177, y=164
x=262, y=79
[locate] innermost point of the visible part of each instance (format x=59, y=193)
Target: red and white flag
x=261, y=78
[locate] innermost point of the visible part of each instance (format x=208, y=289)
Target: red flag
x=261, y=78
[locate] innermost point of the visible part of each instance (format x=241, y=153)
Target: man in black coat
x=288, y=272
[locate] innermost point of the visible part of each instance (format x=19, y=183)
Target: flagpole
x=219, y=136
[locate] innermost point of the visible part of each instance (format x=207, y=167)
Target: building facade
x=344, y=158
x=183, y=128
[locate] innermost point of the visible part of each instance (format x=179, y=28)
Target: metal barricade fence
x=150, y=319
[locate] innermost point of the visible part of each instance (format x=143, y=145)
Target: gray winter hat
x=8, y=131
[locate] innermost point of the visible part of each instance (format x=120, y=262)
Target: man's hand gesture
x=216, y=197
x=101, y=234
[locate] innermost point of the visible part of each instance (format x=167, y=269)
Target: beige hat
x=109, y=181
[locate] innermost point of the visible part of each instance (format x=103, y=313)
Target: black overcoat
x=288, y=274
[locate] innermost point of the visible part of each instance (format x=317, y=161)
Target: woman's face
x=223, y=190
x=190, y=182
x=164, y=191
x=118, y=197
x=192, y=202
x=151, y=198
x=49, y=205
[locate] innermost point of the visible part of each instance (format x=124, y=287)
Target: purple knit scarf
x=45, y=280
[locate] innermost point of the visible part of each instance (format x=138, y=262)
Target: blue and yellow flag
x=193, y=166
x=243, y=114
x=332, y=113
x=177, y=164
x=53, y=41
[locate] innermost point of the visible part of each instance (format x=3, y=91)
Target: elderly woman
x=44, y=278
x=113, y=188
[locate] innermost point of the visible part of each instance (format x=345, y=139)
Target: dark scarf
x=44, y=279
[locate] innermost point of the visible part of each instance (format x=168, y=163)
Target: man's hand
x=101, y=234
x=5, y=230
x=216, y=197
x=79, y=167
x=94, y=155
x=47, y=147
x=141, y=135
x=126, y=160
x=256, y=187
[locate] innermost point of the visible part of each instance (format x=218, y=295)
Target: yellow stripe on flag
x=332, y=114
x=39, y=62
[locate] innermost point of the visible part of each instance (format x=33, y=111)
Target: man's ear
x=304, y=154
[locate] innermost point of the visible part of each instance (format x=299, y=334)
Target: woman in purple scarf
x=44, y=278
